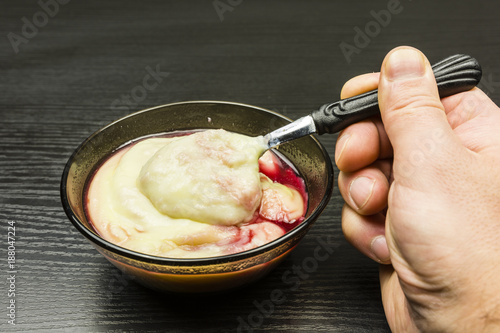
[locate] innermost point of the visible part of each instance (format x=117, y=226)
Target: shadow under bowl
x=203, y=275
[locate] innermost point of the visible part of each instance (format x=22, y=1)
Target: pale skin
x=422, y=192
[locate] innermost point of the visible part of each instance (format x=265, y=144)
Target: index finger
x=360, y=84
x=361, y=144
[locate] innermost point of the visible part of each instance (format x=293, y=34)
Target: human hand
x=422, y=192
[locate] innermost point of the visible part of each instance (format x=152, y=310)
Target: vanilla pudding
x=199, y=195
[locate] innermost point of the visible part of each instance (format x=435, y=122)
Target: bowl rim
x=205, y=261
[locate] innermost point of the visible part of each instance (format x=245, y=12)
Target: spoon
x=455, y=74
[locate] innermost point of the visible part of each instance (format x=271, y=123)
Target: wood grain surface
x=72, y=75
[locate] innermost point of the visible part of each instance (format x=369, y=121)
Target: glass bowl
x=203, y=275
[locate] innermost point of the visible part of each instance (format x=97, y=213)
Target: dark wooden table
x=67, y=68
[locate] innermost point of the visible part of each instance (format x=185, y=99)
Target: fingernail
x=360, y=190
x=380, y=249
x=341, y=144
x=404, y=64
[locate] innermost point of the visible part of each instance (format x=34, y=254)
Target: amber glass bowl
x=201, y=275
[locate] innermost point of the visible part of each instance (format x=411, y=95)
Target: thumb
x=412, y=112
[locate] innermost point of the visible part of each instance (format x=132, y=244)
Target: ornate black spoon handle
x=454, y=74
